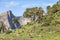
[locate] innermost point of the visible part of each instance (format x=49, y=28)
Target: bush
x=45, y=24
x=19, y=27
x=8, y=31
x=29, y=23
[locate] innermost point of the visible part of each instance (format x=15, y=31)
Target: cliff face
x=9, y=18
x=24, y=21
x=6, y=18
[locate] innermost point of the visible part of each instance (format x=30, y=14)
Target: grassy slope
x=37, y=31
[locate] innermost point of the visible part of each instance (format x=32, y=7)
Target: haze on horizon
x=19, y=6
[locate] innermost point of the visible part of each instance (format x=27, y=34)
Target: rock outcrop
x=6, y=19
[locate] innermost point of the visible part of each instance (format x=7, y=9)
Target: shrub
x=29, y=23
x=8, y=31
x=19, y=27
x=45, y=24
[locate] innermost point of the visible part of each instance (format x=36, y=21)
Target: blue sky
x=19, y=6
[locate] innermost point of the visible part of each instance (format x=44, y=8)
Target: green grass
x=47, y=29
x=33, y=32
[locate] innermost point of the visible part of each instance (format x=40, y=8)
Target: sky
x=19, y=6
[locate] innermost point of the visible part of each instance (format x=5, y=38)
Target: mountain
x=6, y=19
x=48, y=28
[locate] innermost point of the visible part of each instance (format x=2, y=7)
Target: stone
x=6, y=18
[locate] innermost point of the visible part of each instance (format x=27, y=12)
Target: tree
x=55, y=8
x=49, y=9
x=33, y=13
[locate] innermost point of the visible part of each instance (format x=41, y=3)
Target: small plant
x=8, y=31
x=46, y=24
x=19, y=27
x=29, y=23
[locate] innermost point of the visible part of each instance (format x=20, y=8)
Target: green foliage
x=29, y=23
x=33, y=13
x=47, y=29
x=8, y=31
x=55, y=8
x=15, y=20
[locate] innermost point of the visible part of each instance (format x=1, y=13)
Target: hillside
x=47, y=29
x=43, y=27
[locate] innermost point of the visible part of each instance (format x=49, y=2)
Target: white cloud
x=36, y=5
x=10, y=4
x=30, y=5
